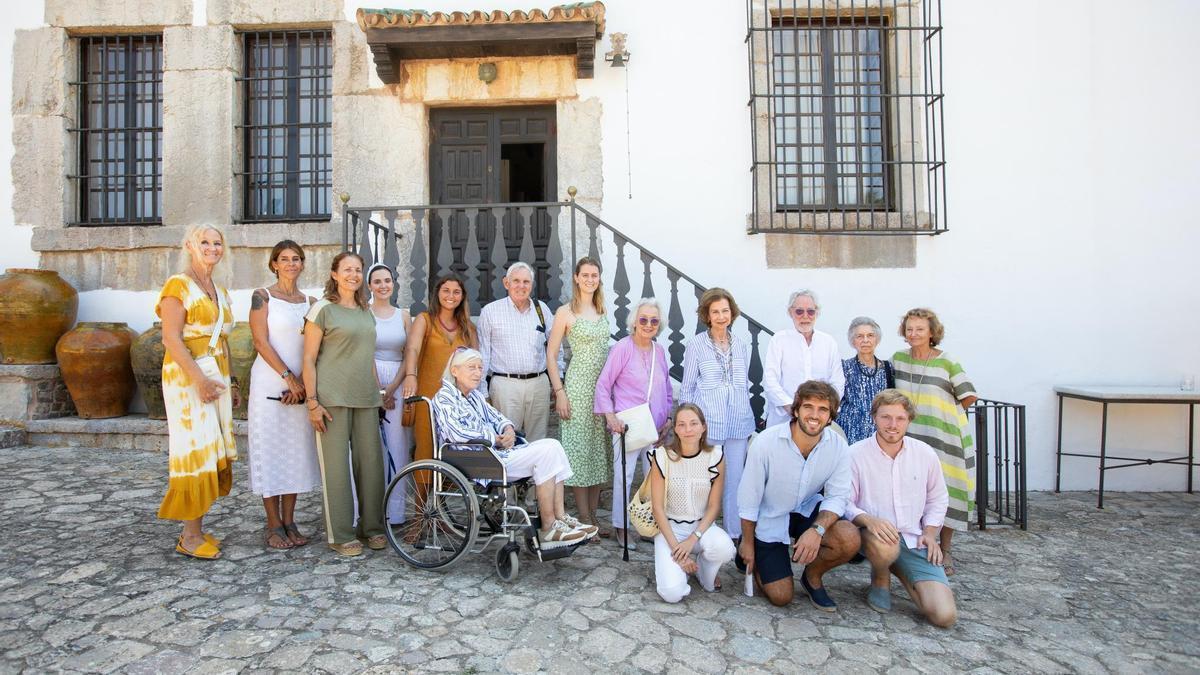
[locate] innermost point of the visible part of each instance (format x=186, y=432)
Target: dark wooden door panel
x=465, y=168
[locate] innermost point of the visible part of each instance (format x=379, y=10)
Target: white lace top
x=689, y=481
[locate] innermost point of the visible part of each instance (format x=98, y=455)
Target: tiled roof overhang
x=395, y=35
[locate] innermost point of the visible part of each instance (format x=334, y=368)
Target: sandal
x=947, y=562
x=294, y=535
x=278, y=535
x=377, y=542
x=349, y=549
x=212, y=540
x=205, y=551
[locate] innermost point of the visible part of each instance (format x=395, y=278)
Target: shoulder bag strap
x=216, y=336
x=653, y=362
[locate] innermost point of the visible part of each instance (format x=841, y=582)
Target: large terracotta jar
x=94, y=359
x=146, y=357
x=36, y=308
x=241, y=358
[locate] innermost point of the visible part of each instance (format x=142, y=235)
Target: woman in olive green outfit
x=342, y=396
x=584, y=324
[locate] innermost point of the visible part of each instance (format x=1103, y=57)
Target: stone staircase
x=136, y=432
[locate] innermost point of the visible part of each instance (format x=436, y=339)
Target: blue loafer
x=879, y=599
x=820, y=599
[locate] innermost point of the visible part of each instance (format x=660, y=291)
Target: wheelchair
x=458, y=502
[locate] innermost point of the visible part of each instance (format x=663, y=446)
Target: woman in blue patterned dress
x=866, y=375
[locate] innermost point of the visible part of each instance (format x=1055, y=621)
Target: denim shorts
x=915, y=567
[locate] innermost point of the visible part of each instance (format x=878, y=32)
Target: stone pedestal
x=33, y=393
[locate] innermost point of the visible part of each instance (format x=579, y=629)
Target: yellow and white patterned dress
x=201, y=442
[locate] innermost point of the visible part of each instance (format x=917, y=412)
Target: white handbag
x=208, y=362
x=640, y=430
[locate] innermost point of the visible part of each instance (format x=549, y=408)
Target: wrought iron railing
x=479, y=241
x=1000, y=487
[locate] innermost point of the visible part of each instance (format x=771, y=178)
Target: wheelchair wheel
x=508, y=562
x=440, y=514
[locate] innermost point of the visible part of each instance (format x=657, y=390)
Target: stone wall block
x=200, y=48
x=110, y=13
x=198, y=119
x=579, y=152
x=40, y=72
x=275, y=13
x=380, y=151
x=790, y=251
x=518, y=80
x=352, y=62
x=39, y=170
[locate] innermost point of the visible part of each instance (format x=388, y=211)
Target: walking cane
x=624, y=496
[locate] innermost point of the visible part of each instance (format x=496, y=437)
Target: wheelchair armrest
x=481, y=442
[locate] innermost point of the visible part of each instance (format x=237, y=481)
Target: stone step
x=11, y=437
x=131, y=431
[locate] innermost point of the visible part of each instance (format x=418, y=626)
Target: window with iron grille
x=288, y=161
x=846, y=104
x=119, y=138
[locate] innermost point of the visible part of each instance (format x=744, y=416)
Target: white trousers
x=631, y=461
x=714, y=549
x=544, y=460
x=735, y=461
x=397, y=443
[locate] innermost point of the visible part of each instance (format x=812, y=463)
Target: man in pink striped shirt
x=898, y=498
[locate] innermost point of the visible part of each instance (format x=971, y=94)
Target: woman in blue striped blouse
x=715, y=377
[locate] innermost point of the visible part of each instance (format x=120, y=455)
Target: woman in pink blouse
x=636, y=365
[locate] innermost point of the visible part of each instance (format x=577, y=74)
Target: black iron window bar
x=851, y=96
x=287, y=173
x=118, y=177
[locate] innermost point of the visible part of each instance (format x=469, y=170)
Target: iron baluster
x=758, y=403
x=416, y=261
x=621, y=288
x=445, y=256
x=555, y=286
x=675, y=323
x=391, y=243
x=472, y=254
x=499, y=253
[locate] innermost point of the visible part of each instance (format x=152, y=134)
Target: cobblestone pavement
x=89, y=582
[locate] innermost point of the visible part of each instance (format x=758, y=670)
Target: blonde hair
x=893, y=397
x=222, y=272
x=597, y=297
x=937, y=332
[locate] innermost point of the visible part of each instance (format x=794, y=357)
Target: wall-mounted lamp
x=487, y=72
x=619, y=56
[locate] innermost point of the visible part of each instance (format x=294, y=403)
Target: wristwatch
x=820, y=530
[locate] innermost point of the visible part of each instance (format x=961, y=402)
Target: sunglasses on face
x=800, y=311
x=644, y=321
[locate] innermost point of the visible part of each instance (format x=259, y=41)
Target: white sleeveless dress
x=390, y=338
x=283, y=447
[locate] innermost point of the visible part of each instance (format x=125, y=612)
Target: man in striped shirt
x=512, y=337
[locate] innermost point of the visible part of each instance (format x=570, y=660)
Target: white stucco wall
x=1072, y=157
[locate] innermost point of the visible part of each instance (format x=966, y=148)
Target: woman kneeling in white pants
x=685, y=495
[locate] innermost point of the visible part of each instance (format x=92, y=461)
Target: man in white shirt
x=799, y=355
x=898, y=497
x=512, y=337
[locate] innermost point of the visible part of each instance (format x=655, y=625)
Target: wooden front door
x=491, y=156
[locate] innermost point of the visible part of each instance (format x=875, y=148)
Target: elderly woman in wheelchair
x=463, y=416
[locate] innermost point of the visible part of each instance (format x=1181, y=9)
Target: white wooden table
x=1121, y=395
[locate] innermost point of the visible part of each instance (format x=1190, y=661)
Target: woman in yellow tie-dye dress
x=199, y=408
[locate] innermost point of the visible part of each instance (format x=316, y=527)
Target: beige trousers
x=525, y=402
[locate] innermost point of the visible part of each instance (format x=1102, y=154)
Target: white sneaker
x=560, y=534
x=589, y=531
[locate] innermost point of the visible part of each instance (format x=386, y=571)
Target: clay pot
x=146, y=357
x=241, y=357
x=36, y=308
x=94, y=359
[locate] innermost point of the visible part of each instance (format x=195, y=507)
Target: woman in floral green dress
x=584, y=324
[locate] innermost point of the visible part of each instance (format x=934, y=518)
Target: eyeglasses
x=643, y=321
x=801, y=311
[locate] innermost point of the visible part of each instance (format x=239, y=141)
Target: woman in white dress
x=391, y=335
x=283, y=450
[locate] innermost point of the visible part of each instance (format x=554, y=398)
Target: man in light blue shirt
x=794, y=489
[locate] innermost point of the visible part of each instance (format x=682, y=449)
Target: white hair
x=646, y=302
x=859, y=322
x=460, y=356
x=519, y=265
x=804, y=292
